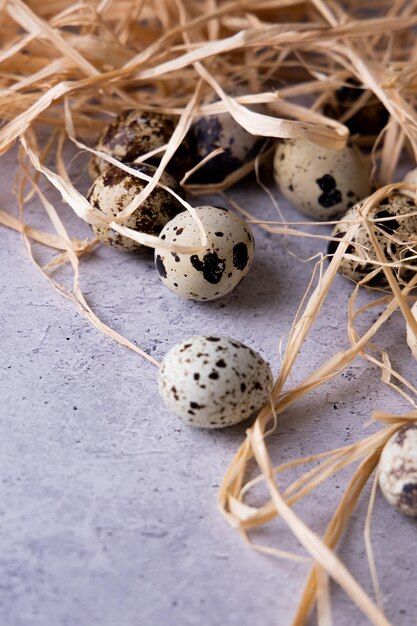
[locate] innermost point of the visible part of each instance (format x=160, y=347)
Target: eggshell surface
x=219, y=267
x=370, y=119
x=134, y=133
x=398, y=470
x=393, y=235
x=213, y=382
x=320, y=182
x=112, y=192
x=221, y=131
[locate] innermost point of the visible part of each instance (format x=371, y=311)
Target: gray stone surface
x=108, y=508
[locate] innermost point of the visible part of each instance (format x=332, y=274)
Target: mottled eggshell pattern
x=320, y=182
x=115, y=189
x=212, y=382
x=411, y=340
x=134, y=133
x=404, y=230
x=398, y=470
x=221, y=131
x=216, y=270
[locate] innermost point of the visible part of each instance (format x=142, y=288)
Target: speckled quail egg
x=320, y=182
x=219, y=267
x=212, y=382
x=208, y=133
x=114, y=189
x=398, y=470
x=370, y=119
x=411, y=339
x=411, y=177
x=391, y=234
x=134, y=133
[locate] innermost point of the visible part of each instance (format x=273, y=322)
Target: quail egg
x=391, y=234
x=398, y=470
x=219, y=267
x=370, y=119
x=320, y=182
x=134, y=133
x=221, y=131
x=114, y=189
x=212, y=382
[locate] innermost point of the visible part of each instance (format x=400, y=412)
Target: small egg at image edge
x=217, y=269
x=213, y=382
x=390, y=233
x=398, y=470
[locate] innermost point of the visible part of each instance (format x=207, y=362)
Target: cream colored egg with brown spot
x=320, y=182
x=396, y=237
x=113, y=191
x=134, y=133
x=398, y=470
x=219, y=267
x=213, y=381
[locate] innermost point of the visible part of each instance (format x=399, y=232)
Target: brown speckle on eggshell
x=114, y=189
x=320, y=182
x=219, y=267
x=213, y=381
x=134, y=133
x=210, y=132
x=392, y=234
x=398, y=470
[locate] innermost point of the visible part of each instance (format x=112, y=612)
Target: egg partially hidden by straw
x=218, y=267
x=134, y=133
x=320, y=182
x=210, y=132
x=115, y=189
x=213, y=382
x=396, y=236
x=369, y=119
x=398, y=470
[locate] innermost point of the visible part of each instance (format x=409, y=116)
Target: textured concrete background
x=108, y=503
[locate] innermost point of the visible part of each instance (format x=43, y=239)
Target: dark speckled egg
x=134, y=133
x=213, y=382
x=221, y=131
x=396, y=237
x=114, y=189
x=370, y=119
x=219, y=267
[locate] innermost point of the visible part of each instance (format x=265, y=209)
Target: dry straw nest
x=68, y=66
